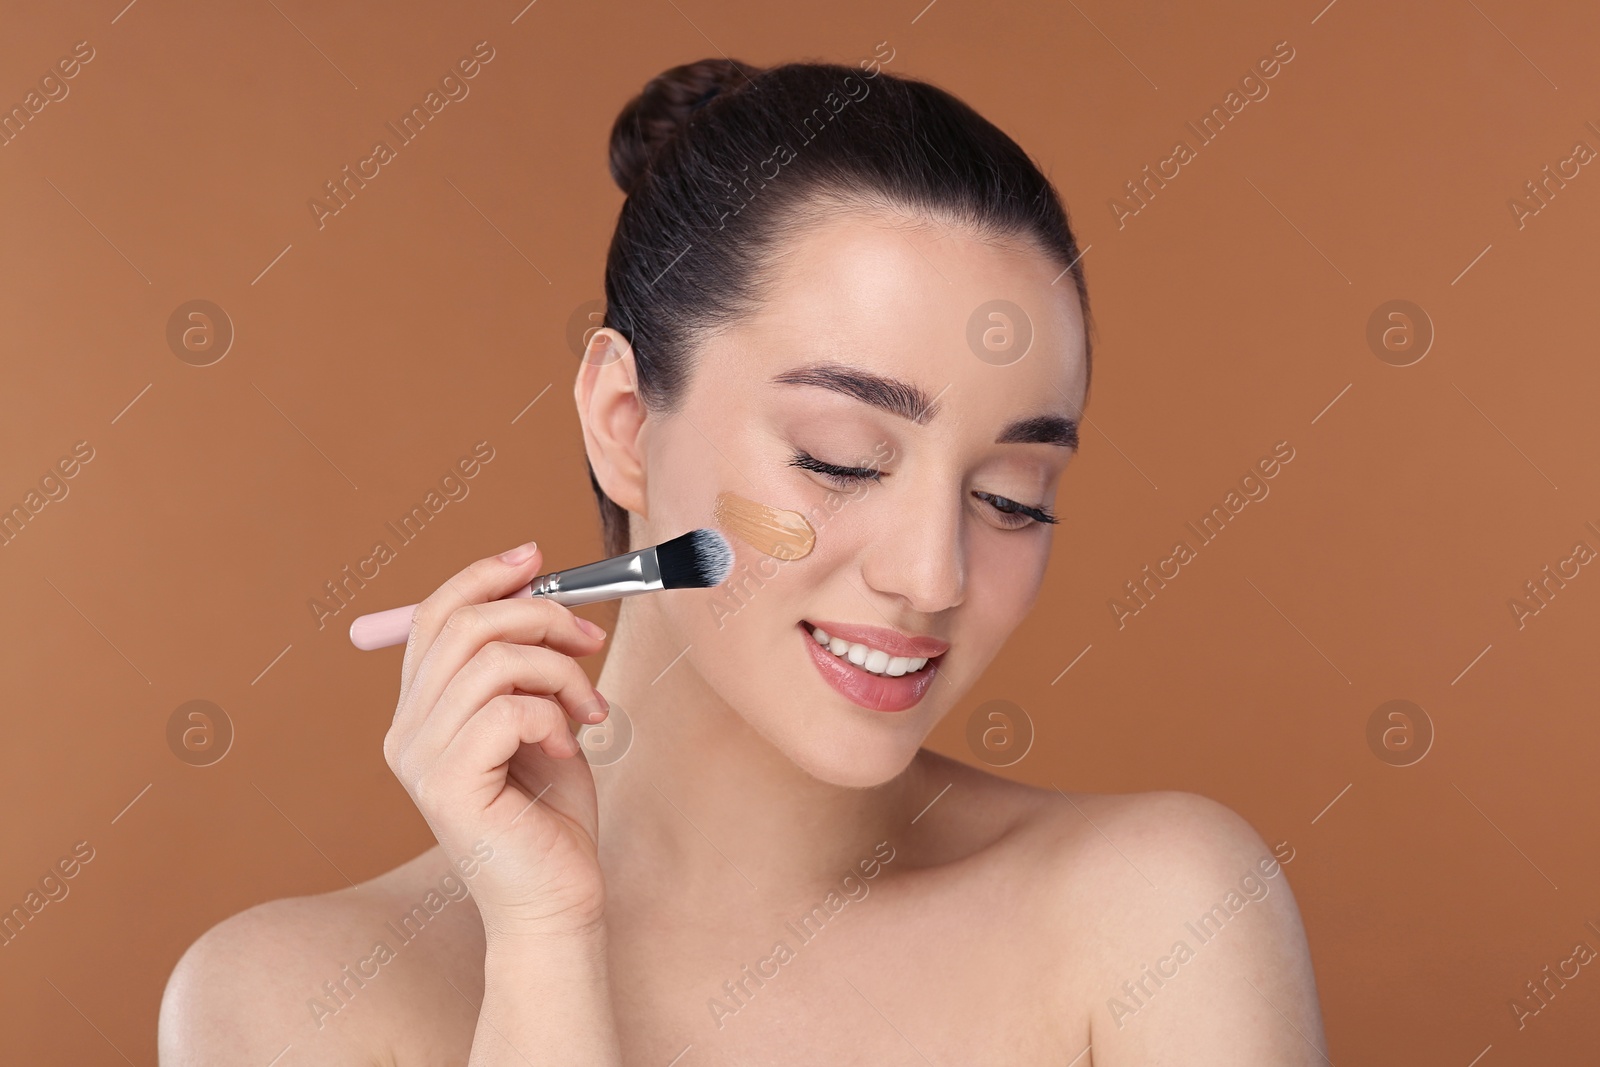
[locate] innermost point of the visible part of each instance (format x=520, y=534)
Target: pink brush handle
x=384, y=629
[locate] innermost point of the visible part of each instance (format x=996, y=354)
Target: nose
x=919, y=557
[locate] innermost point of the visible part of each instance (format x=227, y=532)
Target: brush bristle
x=696, y=560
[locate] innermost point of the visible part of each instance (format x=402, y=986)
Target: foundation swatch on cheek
x=780, y=534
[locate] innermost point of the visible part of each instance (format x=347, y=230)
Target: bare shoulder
x=239, y=993
x=1093, y=836
x=1187, y=839
x=1179, y=936
x=1197, y=946
x=329, y=975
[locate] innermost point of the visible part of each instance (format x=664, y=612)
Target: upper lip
x=890, y=641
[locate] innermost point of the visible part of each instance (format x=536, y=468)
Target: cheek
x=755, y=586
x=743, y=642
x=750, y=614
x=1003, y=583
x=744, y=631
x=680, y=483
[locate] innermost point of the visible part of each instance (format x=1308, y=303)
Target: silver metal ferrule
x=610, y=579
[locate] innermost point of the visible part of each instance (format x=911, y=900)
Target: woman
x=832, y=291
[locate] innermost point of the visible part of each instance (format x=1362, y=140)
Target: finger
x=501, y=668
x=488, y=579
x=534, y=621
x=472, y=763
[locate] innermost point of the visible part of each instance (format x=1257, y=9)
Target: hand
x=481, y=740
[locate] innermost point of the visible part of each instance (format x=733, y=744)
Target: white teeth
x=869, y=659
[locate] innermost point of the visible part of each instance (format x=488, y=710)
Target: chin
x=843, y=740
x=850, y=760
x=847, y=702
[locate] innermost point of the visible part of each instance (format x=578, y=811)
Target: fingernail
x=520, y=554
x=591, y=629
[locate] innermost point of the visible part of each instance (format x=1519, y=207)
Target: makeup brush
x=695, y=560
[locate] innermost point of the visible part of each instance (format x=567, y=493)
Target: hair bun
x=663, y=108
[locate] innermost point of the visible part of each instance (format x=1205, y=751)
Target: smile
x=872, y=660
x=873, y=667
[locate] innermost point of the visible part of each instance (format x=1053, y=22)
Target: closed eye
x=1011, y=507
x=843, y=475
x=1013, y=512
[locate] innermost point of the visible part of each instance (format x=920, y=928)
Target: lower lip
x=876, y=692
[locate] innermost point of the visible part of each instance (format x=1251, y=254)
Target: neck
x=700, y=800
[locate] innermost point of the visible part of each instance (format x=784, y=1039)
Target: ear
x=613, y=418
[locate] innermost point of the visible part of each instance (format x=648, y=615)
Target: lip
x=891, y=641
x=875, y=692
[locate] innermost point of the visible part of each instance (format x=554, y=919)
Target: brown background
x=426, y=315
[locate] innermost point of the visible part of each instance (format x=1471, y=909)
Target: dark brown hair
x=695, y=153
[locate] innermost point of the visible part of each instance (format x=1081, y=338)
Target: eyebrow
x=909, y=402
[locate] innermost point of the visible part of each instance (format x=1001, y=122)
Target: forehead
x=923, y=301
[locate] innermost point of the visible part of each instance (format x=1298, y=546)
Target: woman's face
x=918, y=381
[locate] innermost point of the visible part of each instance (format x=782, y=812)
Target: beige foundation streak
x=780, y=534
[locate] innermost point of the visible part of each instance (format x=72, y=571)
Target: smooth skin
x=654, y=910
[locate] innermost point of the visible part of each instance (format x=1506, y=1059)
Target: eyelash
x=844, y=476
